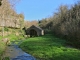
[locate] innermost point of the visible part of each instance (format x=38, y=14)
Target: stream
x=15, y=53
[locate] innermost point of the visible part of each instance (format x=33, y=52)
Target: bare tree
x=7, y=13
x=4, y=11
x=0, y=2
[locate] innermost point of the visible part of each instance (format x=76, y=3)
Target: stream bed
x=16, y=53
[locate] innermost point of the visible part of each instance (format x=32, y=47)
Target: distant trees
x=27, y=24
x=21, y=20
x=65, y=23
x=45, y=24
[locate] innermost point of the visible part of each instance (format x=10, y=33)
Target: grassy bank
x=49, y=47
x=12, y=38
x=2, y=47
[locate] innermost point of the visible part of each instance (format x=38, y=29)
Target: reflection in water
x=15, y=53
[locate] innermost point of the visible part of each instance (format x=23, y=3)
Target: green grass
x=49, y=47
x=2, y=47
x=12, y=38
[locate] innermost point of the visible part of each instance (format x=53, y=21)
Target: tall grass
x=49, y=47
x=2, y=47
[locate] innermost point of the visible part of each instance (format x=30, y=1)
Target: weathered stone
x=6, y=40
x=34, y=31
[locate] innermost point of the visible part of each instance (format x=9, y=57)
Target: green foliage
x=49, y=47
x=12, y=38
x=6, y=29
x=2, y=47
x=65, y=23
x=6, y=58
x=0, y=30
x=0, y=38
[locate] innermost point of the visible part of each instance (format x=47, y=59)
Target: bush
x=6, y=58
x=6, y=29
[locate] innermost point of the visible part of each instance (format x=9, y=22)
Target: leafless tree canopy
x=65, y=23
x=8, y=15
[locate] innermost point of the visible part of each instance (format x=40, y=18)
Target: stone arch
x=33, y=33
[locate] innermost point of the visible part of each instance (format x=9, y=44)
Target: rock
x=6, y=40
